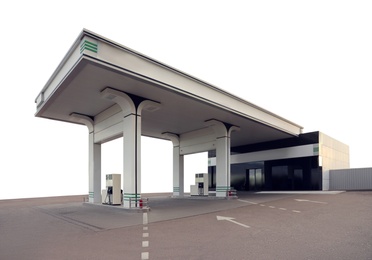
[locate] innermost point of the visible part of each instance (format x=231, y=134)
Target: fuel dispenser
x=201, y=185
x=113, y=193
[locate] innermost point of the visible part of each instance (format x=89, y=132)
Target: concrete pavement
x=281, y=226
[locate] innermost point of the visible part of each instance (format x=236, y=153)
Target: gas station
x=118, y=92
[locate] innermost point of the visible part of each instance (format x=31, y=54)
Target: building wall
x=302, y=162
x=272, y=154
x=351, y=179
x=333, y=155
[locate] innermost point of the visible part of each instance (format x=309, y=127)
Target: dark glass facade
x=301, y=173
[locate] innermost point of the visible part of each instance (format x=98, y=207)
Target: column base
x=177, y=192
x=133, y=201
x=91, y=197
x=222, y=191
x=94, y=198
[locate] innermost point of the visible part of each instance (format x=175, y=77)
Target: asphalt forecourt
x=315, y=225
x=272, y=226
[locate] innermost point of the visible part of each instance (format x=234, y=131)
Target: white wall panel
x=201, y=140
x=108, y=125
x=275, y=154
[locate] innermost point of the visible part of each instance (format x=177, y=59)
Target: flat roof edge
x=61, y=64
x=100, y=37
x=293, y=128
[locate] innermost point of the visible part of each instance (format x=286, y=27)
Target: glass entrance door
x=254, y=179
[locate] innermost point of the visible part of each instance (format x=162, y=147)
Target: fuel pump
x=113, y=194
x=201, y=185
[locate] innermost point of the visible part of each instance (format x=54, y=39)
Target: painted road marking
x=145, y=243
x=145, y=218
x=272, y=207
x=144, y=255
x=312, y=201
x=246, y=201
x=231, y=220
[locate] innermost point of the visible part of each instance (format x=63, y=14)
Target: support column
x=132, y=160
x=178, y=176
x=223, y=168
x=132, y=107
x=94, y=159
x=178, y=166
x=94, y=171
x=132, y=146
x=230, y=130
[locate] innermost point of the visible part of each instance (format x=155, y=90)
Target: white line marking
x=312, y=201
x=246, y=201
x=296, y=211
x=145, y=218
x=144, y=255
x=282, y=208
x=231, y=220
x=262, y=205
x=301, y=192
x=272, y=207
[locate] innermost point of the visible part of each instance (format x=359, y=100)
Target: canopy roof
x=94, y=63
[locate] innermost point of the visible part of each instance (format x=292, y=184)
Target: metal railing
x=231, y=194
x=142, y=203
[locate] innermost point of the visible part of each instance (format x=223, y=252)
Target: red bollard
x=140, y=204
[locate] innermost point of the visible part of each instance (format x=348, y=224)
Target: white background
x=307, y=61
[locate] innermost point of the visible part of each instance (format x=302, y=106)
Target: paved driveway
x=290, y=227
x=256, y=226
